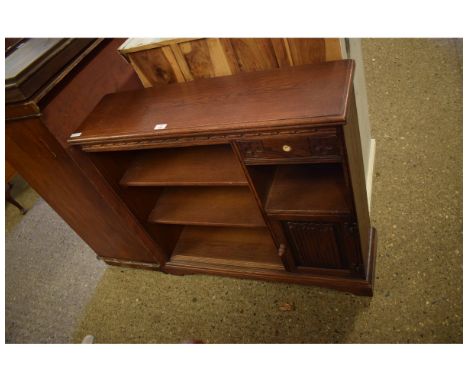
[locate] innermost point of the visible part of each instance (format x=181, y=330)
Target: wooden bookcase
x=257, y=175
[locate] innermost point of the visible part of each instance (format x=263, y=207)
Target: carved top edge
x=204, y=139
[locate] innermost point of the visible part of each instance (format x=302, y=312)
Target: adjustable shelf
x=188, y=166
x=210, y=206
x=226, y=246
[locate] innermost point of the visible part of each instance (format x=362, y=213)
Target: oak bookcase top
x=294, y=96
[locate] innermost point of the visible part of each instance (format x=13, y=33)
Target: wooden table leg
x=11, y=200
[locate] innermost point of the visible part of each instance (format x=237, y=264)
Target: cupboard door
x=329, y=245
x=315, y=244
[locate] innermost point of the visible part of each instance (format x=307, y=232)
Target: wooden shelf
x=212, y=206
x=188, y=166
x=309, y=190
x=243, y=247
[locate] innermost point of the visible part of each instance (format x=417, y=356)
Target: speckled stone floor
x=415, y=103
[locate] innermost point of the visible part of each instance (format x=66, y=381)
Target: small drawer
x=319, y=147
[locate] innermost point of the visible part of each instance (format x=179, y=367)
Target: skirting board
x=351, y=48
x=370, y=172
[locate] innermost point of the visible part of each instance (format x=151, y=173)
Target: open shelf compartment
x=219, y=246
x=207, y=206
x=302, y=189
x=185, y=166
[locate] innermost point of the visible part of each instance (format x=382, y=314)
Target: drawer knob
x=287, y=148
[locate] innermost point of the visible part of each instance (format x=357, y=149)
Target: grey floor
x=50, y=274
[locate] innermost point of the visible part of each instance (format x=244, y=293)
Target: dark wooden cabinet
x=257, y=175
x=65, y=83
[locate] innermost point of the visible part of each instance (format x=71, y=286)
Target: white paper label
x=160, y=126
x=74, y=135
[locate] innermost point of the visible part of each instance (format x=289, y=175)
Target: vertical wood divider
x=278, y=238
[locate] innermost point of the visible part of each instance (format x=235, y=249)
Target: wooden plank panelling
x=254, y=54
x=333, y=49
x=282, y=56
x=220, y=59
x=307, y=50
x=181, y=60
x=154, y=68
x=196, y=55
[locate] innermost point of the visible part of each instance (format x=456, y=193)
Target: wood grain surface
x=213, y=206
x=226, y=246
x=308, y=94
x=307, y=190
x=214, y=57
x=191, y=166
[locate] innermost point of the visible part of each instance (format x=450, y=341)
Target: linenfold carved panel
x=315, y=244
